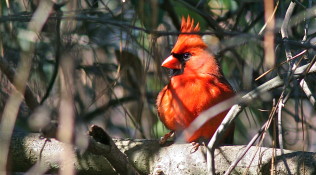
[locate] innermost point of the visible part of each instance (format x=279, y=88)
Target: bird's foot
x=164, y=139
x=195, y=147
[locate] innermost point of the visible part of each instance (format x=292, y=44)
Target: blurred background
x=103, y=58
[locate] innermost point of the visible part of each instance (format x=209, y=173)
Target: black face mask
x=183, y=58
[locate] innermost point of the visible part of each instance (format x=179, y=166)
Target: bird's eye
x=182, y=57
x=186, y=56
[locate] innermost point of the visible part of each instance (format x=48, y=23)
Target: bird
x=196, y=84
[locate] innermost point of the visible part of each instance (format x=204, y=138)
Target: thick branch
x=149, y=158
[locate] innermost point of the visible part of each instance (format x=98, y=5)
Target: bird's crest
x=187, y=25
x=187, y=41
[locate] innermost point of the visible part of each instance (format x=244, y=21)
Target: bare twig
x=286, y=61
x=308, y=92
x=27, y=17
x=284, y=29
x=269, y=18
x=172, y=13
x=280, y=134
x=236, y=109
x=305, y=87
x=207, y=16
x=10, y=73
x=242, y=154
x=303, y=83
x=292, y=66
x=261, y=133
x=57, y=58
x=305, y=14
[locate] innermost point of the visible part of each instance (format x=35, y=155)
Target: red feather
x=196, y=85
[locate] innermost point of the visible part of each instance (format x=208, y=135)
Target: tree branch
x=26, y=18
x=9, y=72
x=236, y=109
x=117, y=159
x=149, y=157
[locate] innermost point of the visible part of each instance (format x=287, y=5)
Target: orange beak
x=172, y=63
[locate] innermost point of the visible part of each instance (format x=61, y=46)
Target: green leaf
x=182, y=10
x=149, y=12
x=221, y=7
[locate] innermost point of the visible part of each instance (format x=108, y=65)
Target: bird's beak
x=172, y=63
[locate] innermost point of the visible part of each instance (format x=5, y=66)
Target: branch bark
x=118, y=160
x=150, y=158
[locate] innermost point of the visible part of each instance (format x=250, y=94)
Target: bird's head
x=189, y=54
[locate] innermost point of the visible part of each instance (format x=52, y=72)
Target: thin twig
x=242, y=154
x=286, y=61
x=305, y=87
x=57, y=58
x=284, y=29
x=27, y=17
x=262, y=136
x=236, y=109
x=303, y=83
x=292, y=67
x=10, y=73
x=209, y=19
x=300, y=17
x=308, y=92
x=276, y=107
x=280, y=134
x=269, y=19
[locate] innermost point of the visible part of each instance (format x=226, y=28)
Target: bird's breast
x=185, y=97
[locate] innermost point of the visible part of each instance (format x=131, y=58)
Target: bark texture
x=30, y=153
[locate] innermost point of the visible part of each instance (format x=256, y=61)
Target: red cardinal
x=196, y=84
